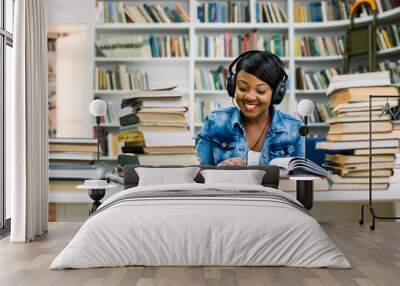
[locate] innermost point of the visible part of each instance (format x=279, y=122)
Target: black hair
x=264, y=66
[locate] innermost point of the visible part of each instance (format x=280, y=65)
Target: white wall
x=72, y=99
x=75, y=67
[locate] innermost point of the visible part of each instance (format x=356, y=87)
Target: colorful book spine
x=213, y=79
x=121, y=12
x=223, y=12
x=120, y=79
x=319, y=46
x=144, y=46
x=229, y=45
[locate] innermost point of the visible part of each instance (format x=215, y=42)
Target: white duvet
x=200, y=231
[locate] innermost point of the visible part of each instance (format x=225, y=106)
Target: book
x=168, y=149
x=376, y=151
x=55, y=147
x=64, y=185
x=76, y=171
x=158, y=139
x=359, y=127
x=79, y=156
x=154, y=128
x=350, y=159
x=344, y=168
x=127, y=159
x=299, y=165
x=155, y=117
x=158, y=96
x=60, y=140
x=364, y=105
x=354, y=186
x=361, y=94
x=364, y=144
x=375, y=173
x=359, y=180
x=370, y=79
x=357, y=119
x=363, y=136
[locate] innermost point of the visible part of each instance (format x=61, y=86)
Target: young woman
x=255, y=132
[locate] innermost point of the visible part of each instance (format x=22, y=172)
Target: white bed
x=257, y=226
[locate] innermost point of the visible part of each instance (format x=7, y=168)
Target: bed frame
x=304, y=189
x=270, y=179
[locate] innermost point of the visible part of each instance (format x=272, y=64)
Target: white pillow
x=249, y=177
x=166, y=176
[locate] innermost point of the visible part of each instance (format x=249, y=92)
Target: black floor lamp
x=305, y=108
x=385, y=110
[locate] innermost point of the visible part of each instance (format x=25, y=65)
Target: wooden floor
x=375, y=257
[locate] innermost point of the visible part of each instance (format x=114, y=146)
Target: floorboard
x=374, y=255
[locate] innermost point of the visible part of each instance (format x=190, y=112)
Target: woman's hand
x=236, y=161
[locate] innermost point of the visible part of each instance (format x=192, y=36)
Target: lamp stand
x=303, y=130
x=370, y=205
x=98, y=144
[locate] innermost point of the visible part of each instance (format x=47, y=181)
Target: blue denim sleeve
x=203, y=145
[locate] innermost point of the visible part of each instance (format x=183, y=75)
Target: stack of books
x=71, y=161
x=319, y=46
x=228, y=45
x=349, y=132
x=155, y=131
x=144, y=46
x=223, y=12
x=120, y=12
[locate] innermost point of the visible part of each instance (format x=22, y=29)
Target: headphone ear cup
x=231, y=84
x=279, y=92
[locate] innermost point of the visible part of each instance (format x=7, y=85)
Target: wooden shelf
x=274, y=27
x=211, y=92
x=318, y=59
x=310, y=92
x=143, y=27
x=139, y=60
x=391, y=51
x=224, y=60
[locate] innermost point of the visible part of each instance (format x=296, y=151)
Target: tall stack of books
x=71, y=161
x=349, y=132
x=155, y=130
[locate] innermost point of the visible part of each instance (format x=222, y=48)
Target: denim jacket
x=223, y=136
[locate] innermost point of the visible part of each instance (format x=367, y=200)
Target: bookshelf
x=169, y=71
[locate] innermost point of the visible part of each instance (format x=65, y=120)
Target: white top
x=253, y=158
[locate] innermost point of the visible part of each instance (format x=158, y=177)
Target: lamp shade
x=305, y=107
x=98, y=107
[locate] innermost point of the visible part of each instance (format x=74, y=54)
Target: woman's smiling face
x=252, y=95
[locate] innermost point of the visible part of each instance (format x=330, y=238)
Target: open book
x=298, y=165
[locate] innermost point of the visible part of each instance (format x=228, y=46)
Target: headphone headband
x=280, y=89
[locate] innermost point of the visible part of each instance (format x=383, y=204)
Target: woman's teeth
x=250, y=107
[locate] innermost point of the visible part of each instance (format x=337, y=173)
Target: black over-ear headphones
x=278, y=92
